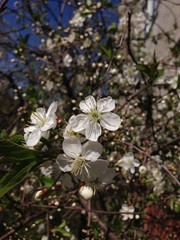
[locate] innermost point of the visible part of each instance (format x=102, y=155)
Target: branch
x=21, y=225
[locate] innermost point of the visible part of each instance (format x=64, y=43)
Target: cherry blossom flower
x=41, y=123
x=77, y=157
x=67, y=60
x=128, y=162
x=126, y=212
x=96, y=115
x=77, y=20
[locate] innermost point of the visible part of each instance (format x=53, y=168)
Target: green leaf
x=15, y=176
x=13, y=152
x=143, y=68
x=112, y=28
x=47, y=182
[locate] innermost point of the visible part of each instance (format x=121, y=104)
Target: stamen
x=79, y=164
x=39, y=118
x=95, y=115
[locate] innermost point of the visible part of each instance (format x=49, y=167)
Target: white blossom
x=128, y=162
x=41, y=123
x=126, y=212
x=67, y=60
x=96, y=114
x=77, y=157
x=142, y=170
x=77, y=20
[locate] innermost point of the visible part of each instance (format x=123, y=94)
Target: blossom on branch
x=127, y=212
x=77, y=157
x=128, y=162
x=96, y=115
x=42, y=122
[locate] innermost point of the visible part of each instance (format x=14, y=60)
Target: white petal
x=88, y=104
x=132, y=170
x=63, y=162
x=91, y=150
x=49, y=123
x=33, y=138
x=80, y=122
x=136, y=163
x=110, y=121
x=52, y=109
x=39, y=116
x=93, y=131
x=105, y=104
x=72, y=147
x=29, y=129
x=72, y=118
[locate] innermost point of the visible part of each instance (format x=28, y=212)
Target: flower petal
x=52, y=109
x=93, y=131
x=88, y=104
x=79, y=122
x=29, y=129
x=63, y=162
x=105, y=104
x=33, y=138
x=49, y=123
x=72, y=147
x=110, y=121
x=91, y=150
x=38, y=117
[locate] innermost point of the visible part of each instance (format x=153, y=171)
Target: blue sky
x=55, y=7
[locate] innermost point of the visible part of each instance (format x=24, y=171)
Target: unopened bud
x=39, y=194
x=86, y=192
x=142, y=170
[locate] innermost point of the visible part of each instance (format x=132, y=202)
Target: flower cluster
x=81, y=149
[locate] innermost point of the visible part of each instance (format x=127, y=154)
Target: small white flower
x=96, y=114
x=67, y=60
x=157, y=175
x=77, y=20
x=77, y=157
x=126, y=212
x=41, y=123
x=128, y=162
x=142, y=170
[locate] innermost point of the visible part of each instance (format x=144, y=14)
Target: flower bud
x=142, y=170
x=39, y=194
x=86, y=192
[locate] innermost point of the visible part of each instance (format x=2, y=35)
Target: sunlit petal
x=80, y=122
x=52, y=109
x=72, y=147
x=110, y=121
x=91, y=150
x=93, y=131
x=105, y=104
x=88, y=104
x=33, y=138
